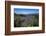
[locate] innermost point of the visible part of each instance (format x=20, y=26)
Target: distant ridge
x=26, y=14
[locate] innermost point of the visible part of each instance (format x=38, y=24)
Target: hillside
x=26, y=20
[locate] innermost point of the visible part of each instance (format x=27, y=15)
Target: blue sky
x=25, y=11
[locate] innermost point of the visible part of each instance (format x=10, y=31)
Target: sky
x=25, y=11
